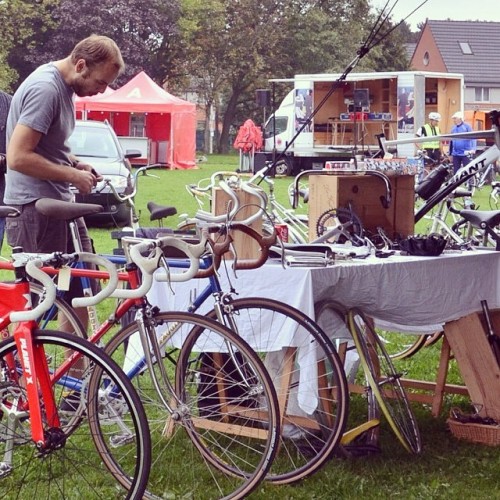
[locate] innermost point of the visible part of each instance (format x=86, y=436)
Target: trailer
x=313, y=125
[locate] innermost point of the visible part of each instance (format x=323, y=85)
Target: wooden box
x=246, y=247
x=363, y=192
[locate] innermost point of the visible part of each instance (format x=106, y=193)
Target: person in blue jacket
x=460, y=149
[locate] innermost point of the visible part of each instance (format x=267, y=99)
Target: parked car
x=95, y=142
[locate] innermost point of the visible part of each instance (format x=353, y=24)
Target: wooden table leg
x=444, y=361
x=476, y=361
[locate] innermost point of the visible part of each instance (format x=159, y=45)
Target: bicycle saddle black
x=160, y=211
x=479, y=218
x=66, y=210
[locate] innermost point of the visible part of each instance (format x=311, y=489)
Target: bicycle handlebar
x=205, y=216
x=148, y=265
x=127, y=197
x=192, y=251
x=33, y=268
x=385, y=200
x=49, y=297
x=265, y=243
x=98, y=260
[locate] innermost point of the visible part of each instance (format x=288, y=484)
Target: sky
x=456, y=10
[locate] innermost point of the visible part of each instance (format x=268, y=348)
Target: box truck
x=346, y=123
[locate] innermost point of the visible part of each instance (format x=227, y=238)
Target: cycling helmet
x=434, y=116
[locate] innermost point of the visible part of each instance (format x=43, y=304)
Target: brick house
x=470, y=48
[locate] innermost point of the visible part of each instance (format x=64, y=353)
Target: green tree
x=145, y=31
x=233, y=47
x=19, y=21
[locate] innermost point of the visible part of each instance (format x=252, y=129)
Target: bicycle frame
x=16, y=297
x=439, y=224
x=15, y=303
x=477, y=165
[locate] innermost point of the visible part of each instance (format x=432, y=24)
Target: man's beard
x=79, y=86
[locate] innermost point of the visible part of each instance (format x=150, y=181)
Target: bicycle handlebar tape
x=134, y=249
x=264, y=242
x=192, y=251
x=110, y=287
x=33, y=269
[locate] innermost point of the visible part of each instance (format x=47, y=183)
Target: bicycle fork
x=24, y=384
x=225, y=315
x=152, y=354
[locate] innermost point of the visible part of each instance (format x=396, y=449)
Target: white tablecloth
x=409, y=294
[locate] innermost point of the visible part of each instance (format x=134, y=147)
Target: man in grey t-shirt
x=5, y=100
x=41, y=119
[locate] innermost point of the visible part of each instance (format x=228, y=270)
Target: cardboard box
x=362, y=192
x=245, y=246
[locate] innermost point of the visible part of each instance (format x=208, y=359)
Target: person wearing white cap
x=433, y=149
x=460, y=149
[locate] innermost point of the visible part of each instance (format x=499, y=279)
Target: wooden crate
x=246, y=247
x=363, y=193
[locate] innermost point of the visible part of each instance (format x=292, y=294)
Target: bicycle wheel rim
x=244, y=397
x=395, y=407
x=399, y=345
x=332, y=319
x=180, y=464
x=308, y=436
x=51, y=319
x=79, y=467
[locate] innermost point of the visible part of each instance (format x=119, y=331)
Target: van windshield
x=280, y=126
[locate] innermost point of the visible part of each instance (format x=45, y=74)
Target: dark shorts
x=34, y=232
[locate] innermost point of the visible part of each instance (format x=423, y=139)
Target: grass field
x=446, y=469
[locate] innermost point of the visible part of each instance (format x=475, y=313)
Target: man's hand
x=84, y=180
x=89, y=168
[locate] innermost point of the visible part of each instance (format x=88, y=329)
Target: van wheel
x=283, y=167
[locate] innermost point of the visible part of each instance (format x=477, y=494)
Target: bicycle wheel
x=384, y=381
x=106, y=454
x=223, y=433
x=332, y=319
x=309, y=378
x=400, y=345
x=52, y=319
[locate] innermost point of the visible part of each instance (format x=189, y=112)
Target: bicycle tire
x=75, y=467
x=332, y=318
x=46, y=322
x=375, y=360
x=400, y=345
x=214, y=466
x=308, y=438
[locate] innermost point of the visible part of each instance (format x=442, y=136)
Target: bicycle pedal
x=121, y=440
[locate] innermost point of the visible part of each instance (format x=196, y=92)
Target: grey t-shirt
x=5, y=100
x=43, y=102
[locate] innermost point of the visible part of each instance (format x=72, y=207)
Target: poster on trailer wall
x=303, y=108
x=406, y=113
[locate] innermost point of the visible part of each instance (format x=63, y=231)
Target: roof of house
x=410, y=49
x=452, y=38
